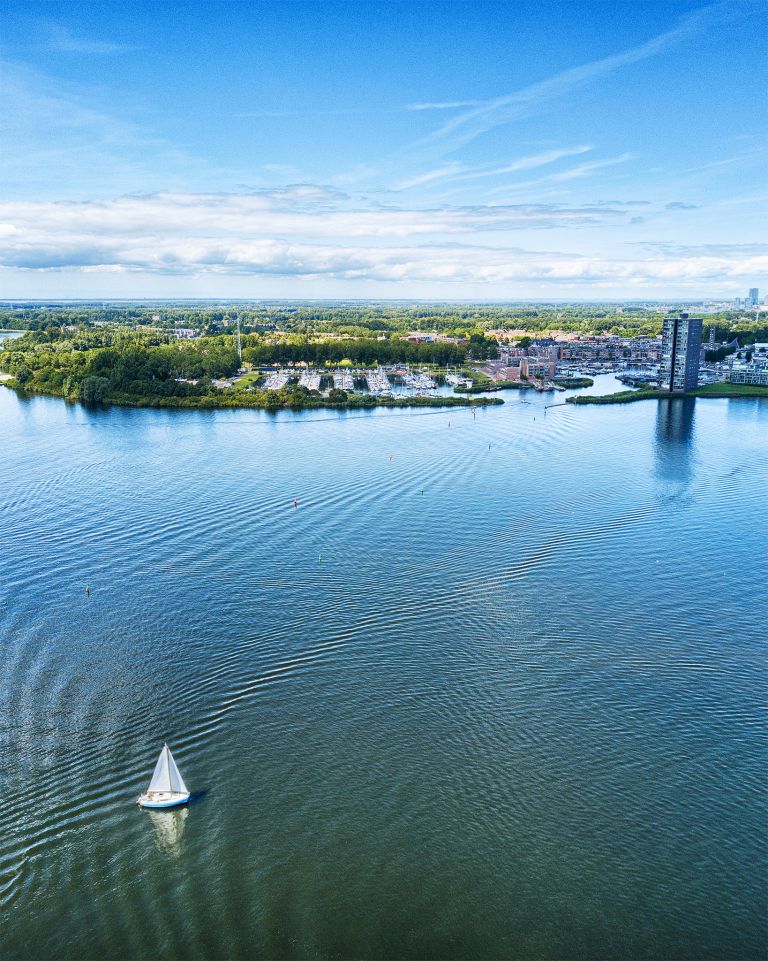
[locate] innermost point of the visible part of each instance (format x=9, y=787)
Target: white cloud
x=459, y=264
x=304, y=231
x=302, y=210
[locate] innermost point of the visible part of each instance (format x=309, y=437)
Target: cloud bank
x=312, y=231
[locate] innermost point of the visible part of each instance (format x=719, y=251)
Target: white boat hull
x=162, y=799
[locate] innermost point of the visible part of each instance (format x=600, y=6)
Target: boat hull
x=157, y=801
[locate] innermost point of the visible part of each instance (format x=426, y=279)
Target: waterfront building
x=755, y=374
x=754, y=370
x=616, y=350
x=680, y=353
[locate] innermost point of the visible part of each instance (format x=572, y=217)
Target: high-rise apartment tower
x=680, y=353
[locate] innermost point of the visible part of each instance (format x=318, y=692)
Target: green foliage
x=365, y=321
x=717, y=355
x=129, y=353
x=573, y=382
x=725, y=389
x=147, y=368
x=93, y=390
x=94, y=365
x=363, y=351
x=622, y=397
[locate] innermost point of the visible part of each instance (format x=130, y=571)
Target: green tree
x=93, y=390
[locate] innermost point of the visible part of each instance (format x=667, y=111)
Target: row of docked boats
x=418, y=382
x=310, y=381
x=378, y=384
x=456, y=380
x=343, y=381
x=276, y=381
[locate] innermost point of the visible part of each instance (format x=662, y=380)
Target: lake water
x=494, y=689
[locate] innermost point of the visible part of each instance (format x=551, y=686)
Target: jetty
x=343, y=381
x=276, y=381
x=378, y=383
x=310, y=381
x=419, y=384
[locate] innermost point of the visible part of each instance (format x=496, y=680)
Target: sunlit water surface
x=492, y=690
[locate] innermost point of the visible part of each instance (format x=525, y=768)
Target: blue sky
x=440, y=150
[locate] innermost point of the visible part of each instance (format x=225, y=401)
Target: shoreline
x=245, y=402
x=721, y=390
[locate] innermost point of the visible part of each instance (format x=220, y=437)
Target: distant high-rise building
x=712, y=337
x=680, y=353
x=754, y=296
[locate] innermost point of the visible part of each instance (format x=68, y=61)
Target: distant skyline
x=436, y=151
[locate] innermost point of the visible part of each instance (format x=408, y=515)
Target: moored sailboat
x=167, y=788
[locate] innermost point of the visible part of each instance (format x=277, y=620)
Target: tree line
x=367, y=351
x=363, y=320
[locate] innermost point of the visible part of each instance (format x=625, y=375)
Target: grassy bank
x=721, y=389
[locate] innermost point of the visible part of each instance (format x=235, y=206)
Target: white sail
x=166, y=776
x=177, y=781
x=161, y=779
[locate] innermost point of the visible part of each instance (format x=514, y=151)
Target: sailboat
x=167, y=788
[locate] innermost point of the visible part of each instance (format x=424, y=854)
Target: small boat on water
x=167, y=788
